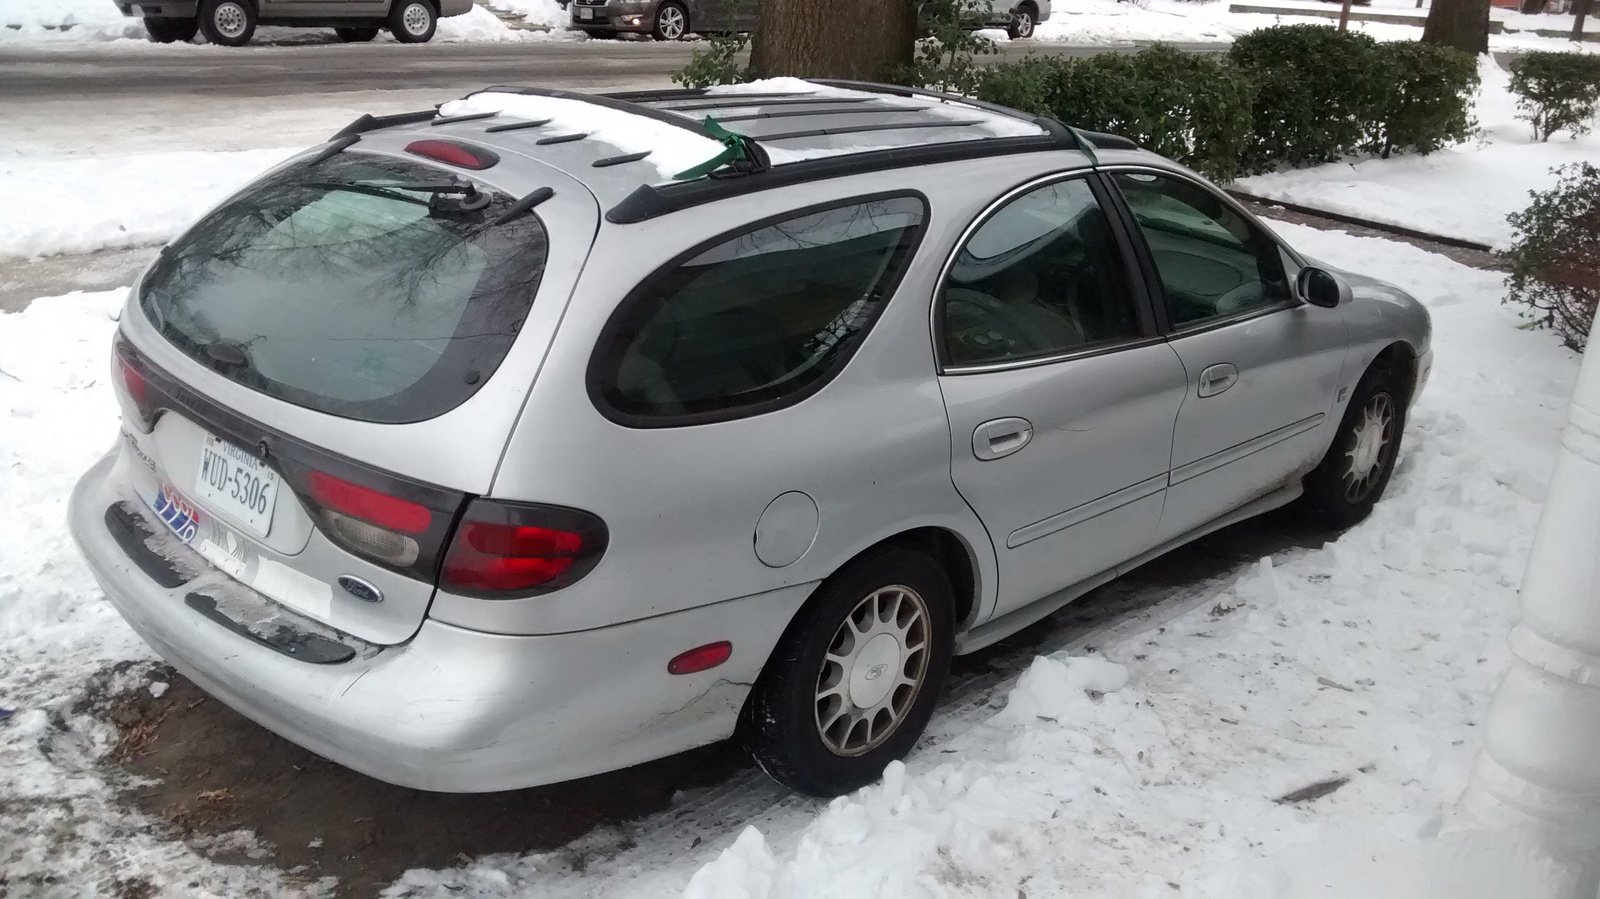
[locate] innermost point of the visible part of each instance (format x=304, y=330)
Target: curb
x=1398, y=230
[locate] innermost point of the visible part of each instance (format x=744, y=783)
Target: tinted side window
x=757, y=320
x=1041, y=276
x=1211, y=260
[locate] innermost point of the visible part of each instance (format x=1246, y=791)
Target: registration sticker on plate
x=177, y=515
x=238, y=484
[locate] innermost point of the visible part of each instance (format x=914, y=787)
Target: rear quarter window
x=756, y=320
x=353, y=286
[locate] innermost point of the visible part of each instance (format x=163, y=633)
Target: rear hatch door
x=318, y=374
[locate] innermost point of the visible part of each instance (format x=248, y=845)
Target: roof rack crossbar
x=787, y=113
x=858, y=129
x=468, y=117
x=689, y=93
x=639, y=109
x=651, y=201
x=734, y=101
x=517, y=126
x=371, y=122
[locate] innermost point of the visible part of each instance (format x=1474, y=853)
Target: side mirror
x=1320, y=287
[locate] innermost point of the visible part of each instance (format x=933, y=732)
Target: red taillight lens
x=449, y=152
x=132, y=379
x=700, y=658
x=369, y=505
x=502, y=549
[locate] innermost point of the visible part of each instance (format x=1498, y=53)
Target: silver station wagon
x=545, y=434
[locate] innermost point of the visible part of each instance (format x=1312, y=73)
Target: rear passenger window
x=756, y=321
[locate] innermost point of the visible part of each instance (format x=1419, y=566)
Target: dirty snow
x=1464, y=191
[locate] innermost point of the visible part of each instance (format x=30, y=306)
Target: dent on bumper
x=457, y=710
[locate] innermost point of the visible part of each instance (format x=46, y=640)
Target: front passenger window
x=1042, y=276
x=1211, y=260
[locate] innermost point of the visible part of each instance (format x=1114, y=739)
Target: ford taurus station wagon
x=546, y=434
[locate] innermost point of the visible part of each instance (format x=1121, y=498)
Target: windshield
x=361, y=286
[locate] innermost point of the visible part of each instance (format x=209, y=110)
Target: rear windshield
x=361, y=286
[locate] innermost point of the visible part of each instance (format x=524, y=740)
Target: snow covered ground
x=1464, y=191
x=1110, y=22
x=1369, y=659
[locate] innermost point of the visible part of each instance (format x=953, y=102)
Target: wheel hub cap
x=1370, y=438
x=416, y=19
x=873, y=670
x=230, y=20
x=671, y=23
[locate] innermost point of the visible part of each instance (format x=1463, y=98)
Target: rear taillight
x=369, y=521
x=134, y=397
x=506, y=550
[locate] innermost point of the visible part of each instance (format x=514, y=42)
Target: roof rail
x=606, y=100
x=371, y=122
x=651, y=201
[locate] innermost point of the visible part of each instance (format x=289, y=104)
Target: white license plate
x=237, y=484
x=585, y=13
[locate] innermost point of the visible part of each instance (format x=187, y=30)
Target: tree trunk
x=1579, y=10
x=1462, y=24
x=866, y=40
x=1344, y=16
x=1532, y=7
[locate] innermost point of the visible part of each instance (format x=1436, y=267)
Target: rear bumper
x=636, y=16
x=453, y=710
x=166, y=9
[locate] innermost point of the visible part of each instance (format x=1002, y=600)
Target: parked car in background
x=665, y=20
x=233, y=22
x=1017, y=18
x=546, y=434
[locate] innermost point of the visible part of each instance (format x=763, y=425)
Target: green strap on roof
x=733, y=151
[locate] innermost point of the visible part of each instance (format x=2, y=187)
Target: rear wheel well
x=951, y=552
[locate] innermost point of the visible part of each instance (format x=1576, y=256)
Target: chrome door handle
x=1217, y=378
x=1001, y=437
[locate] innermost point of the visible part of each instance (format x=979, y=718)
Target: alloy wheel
x=670, y=23
x=1369, y=439
x=873, y=670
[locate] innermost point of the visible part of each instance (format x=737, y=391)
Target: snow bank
x=75, y=205
x=1464, y=191
x=77, y=21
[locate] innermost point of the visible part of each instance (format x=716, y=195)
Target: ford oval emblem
x=360, y=589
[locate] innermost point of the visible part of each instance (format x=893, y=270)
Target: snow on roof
x=672, y=149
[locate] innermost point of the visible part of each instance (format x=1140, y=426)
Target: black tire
x=672, y=22
x=782, y=722
x=163, y=30
x=1022, y=22
x=230, y=23
x=356, y=35
x=1336, y=495
x=413, y=21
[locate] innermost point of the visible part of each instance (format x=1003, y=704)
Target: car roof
x=644, y=154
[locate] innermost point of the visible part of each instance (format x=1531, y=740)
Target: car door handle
x=1217, y=378
x=1001, y=437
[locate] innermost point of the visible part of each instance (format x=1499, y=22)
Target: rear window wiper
x=471, y=200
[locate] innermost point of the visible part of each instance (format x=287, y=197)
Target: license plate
x=237, y=484
x=585, y=13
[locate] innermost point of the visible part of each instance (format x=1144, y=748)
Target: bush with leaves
x=1190, y=107
x=1557, y=91
x=1554, y=257
x=947, y=55
x=1319, y=92
x=1429, y=101
x=716, y=61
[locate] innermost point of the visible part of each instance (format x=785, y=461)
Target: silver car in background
x=232, y=23
x=474, y=451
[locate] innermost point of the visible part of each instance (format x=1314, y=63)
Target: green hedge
x=1557, y=91
x=1293, y=95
